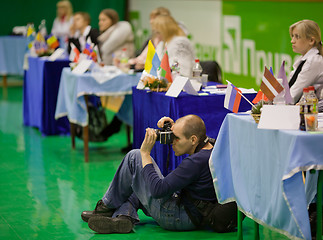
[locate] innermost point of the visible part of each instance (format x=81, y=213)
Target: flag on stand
x=30, y=36
x=270, y=86
x=75, y=53
x=152, y=61
x=232, y=98
x=97, y=54
x=165, y=71
x=88, y=49
x=282, y=75
x=260, y=96
x=52, y=41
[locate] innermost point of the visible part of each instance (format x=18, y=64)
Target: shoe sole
x=110, y=225
x=86, y=218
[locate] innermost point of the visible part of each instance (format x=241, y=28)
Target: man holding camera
x=183, y=200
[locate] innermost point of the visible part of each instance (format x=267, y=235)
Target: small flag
x=75, y=53
x=30, y=36
x=97, y=53
x=152, y=61
x=282, y=75
x=88, y=49
x=52, y=41
x=260, y=96
x=232, y=98
x=270, y=86
x=165, y=71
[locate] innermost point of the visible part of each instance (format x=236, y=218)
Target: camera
x=165, y=135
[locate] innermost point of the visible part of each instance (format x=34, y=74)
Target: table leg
x=319, y=206
x=86, y=143
x=86, y=133
x=240, y=218
x=72, y=131
x=256, y=226
x=4, y=86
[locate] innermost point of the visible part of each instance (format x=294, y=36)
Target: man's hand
x=147, y=145
x=161, y=121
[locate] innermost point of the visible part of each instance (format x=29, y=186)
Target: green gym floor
x=45, y=185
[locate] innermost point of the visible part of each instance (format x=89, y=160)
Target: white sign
x=178, y=85
x=82, y=67
x=279, y=117
x=57, y=54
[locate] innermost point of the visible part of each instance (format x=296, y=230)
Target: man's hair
x=85, y=16
x=193, y=125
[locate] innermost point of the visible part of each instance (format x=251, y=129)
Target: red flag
x=270, y=86
x=165, y=69
x=260, y=95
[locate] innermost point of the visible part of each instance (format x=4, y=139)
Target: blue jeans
x=128, y=185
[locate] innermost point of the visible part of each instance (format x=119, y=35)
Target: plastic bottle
x=197, y=70
x=175, y=69
x=303, y=108
x=42, y=28
x=280, y=98
x=312, y=100
x=124, y=60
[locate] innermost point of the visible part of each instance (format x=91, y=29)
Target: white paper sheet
x=279, y=117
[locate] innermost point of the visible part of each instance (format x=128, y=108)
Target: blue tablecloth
x=149, y=107
x=73, y=87
x=12, y=51
x=41, y=83
x=261, y=170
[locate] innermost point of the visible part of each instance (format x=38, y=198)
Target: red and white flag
x=270, y=86
x=75, y=53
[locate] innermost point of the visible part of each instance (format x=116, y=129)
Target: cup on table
x=310, y=121
x=204, y=79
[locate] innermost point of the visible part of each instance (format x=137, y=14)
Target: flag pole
x=243, y=96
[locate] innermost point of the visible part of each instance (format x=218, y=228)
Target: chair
x=213, y=70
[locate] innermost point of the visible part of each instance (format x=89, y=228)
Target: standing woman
x=63, y=20
x=115, y=36
x=308, y=69
x=173, y=39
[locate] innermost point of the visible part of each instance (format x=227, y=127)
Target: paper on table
x=180, y=83
x=279, y=117
x=192, y=87
x=57, y=54
x=82, y=67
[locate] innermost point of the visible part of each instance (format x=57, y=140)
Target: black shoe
x=121, y=224
x=100, y=210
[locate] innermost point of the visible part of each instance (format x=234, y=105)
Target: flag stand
x=243, y=96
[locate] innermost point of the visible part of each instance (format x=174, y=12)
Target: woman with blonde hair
x=174, y=40
x=308, y=69
x=63, y=20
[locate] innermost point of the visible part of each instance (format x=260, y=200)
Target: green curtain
x=21, y=12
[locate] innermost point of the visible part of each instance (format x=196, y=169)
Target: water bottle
x=124, y=60
x=197, y=71
x=303, y=108
x=280, y=99
x=175, y=69
x=42, y=28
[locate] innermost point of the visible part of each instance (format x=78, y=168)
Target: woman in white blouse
x=308, y=69
x=174, y=40
x=63, y=20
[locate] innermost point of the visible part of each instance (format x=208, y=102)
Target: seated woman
x=81, y=31
x=308, y=69
x=63, y=20
x=115, y=36
x=139, y=61
x=174, y=40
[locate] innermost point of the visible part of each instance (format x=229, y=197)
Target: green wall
x=20, y=12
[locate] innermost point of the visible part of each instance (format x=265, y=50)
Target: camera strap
x=201, y=144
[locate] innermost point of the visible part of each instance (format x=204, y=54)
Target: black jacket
x=93, y=35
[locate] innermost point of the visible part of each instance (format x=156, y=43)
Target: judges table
x=74, y=88
x=149, y=107
x=262, y=171
x=12, y=51
x=41, y=83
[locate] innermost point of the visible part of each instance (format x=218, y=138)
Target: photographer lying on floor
x=183, y=200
